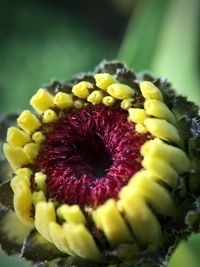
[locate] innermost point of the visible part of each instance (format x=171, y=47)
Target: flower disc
x=103, y=171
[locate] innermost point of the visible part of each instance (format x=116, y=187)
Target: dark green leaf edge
x=6, y=195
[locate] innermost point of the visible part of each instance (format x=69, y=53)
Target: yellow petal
x=22, y=201
x=158, y=109
x=44, y=215
x=126, y=103
x=140, y=128
x=78, y=103
x=81, y=241
x=150, y=91
x=120, y=91
x=23, y=174
x=137, y=115
x=161, y=170
x=95, y=97
x=162, y=129
x=103, y=80
x=40, y=180
x=71, y=214
x=41, y=101
x=38, y=137
x=143, y=222
x=108, y=101
x=175, y=156
x=113, y=224
x=38, y=197
x=28, y=122
x=63, y=100
x=57, y=236
x=31, y=150
x=82, y=89
x=152, y=192
x=49, y=116
x=17, y=137
x=15, y=156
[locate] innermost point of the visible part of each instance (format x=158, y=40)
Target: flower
x=105, y=172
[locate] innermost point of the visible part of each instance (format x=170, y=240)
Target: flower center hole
x=97, y=158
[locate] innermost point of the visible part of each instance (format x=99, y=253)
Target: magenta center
x=89, y=155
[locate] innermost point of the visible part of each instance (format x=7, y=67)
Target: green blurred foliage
x=163, y=37
x=41, y=42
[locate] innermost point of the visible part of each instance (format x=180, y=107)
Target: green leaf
x=37, y=249
x=6, y=195
x=12, y=232
x=177, y=50
x=140, y=40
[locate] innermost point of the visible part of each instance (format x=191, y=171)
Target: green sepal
x=192, y=219
x=6, y=195
x=110, y=67
x=12, y=232
x=37, y=249
x=5, y=170
x=5, y=122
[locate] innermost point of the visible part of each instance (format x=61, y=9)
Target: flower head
x=104, y=171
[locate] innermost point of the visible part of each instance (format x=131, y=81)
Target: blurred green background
x=41, y=41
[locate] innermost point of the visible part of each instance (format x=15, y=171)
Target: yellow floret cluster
x=163, y=160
